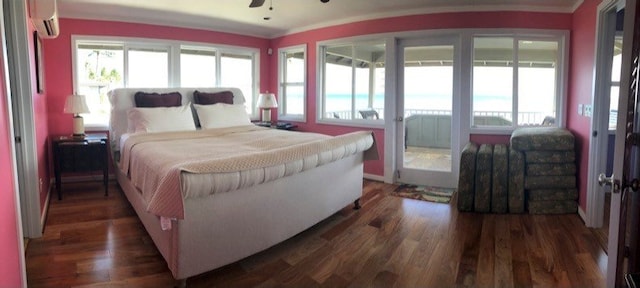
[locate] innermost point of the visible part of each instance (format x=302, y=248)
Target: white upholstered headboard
x=122, y=99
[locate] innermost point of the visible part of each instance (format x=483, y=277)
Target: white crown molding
x=426, y=11
x=260, y=31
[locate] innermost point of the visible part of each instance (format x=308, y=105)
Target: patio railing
x=524, y=118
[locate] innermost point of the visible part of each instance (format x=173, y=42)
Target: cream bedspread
x=155, y=161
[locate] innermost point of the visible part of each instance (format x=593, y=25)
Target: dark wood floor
x=602, y=233
x=95, y=241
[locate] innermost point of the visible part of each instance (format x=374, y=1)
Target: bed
x=204, y=214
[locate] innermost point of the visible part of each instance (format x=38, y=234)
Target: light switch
x=580, y=109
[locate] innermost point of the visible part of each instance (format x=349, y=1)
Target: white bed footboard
x=226, y=227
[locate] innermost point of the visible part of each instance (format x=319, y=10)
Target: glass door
x=428, y=123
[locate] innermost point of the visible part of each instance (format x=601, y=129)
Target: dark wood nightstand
x=277, y=125
x=80, y=155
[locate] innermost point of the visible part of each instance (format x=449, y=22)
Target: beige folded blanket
x=154, y=161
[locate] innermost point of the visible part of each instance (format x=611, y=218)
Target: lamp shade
x=267, y=100
x=76, y=104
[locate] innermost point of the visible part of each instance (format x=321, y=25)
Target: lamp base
x=78, y=126
x=266, y=115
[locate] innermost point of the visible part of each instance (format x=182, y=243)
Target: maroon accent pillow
x=204, y=98
x=144, y=99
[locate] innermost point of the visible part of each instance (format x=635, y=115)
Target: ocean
x=342, y=102
x=423, y=102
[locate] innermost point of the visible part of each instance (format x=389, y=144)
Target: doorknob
x=603, y=180
x=399, y=119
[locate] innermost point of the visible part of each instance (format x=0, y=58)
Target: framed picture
x=37, y=43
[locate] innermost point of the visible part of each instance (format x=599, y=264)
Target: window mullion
x=218, y=68
x=323, y=83
x=353, y=82
x=516, y=63
x=125, y=68
x=283, y=83
x=372, y=83
x=174, y=66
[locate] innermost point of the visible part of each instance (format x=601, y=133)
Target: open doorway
x=430, y=126
x=614, y=88
x=605, y=111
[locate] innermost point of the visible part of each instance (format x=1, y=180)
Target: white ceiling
x=287, y=16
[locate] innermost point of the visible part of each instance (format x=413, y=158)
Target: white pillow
x=222, y=115
x=160, y=119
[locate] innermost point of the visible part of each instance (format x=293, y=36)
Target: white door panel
x=623, y=157
x=428, y=109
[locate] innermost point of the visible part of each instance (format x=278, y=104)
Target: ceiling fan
x=259, y=3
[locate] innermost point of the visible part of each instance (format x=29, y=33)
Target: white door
x=624, y=159
x=428, y=110
x=605, y=108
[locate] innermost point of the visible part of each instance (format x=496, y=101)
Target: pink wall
x=490, y=139
x=58, y=56
x=504, y=19
x=9, y=246
x=581, y=76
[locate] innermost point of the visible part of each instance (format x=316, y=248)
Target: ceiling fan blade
x=256, y=3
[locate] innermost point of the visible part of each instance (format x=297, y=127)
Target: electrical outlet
x=580, y=109
x=588, y=110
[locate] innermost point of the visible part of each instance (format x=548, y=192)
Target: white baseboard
x=45, y=211
x=373, y=177
x=582, y=214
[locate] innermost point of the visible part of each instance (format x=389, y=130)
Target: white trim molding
x=373, y=177
x=26, y=152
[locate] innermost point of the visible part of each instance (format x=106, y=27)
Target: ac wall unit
x=44, y=16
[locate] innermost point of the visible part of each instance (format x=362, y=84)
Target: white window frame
x=174, y=48
x=562, y=38
x=282, y=84
x=251, y=100
x=466, y=37
x=320, y=86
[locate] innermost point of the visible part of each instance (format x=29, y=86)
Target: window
x=353, y=81
x=515, y=81
x=197, y=67
x=148, y=67
x=99, y=69
x=105, y=63
x=292, y=91
x=616, y=71
x=236, y=70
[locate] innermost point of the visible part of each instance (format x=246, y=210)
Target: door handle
x=603, y=180
x=399, y=119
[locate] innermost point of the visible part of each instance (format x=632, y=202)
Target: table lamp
x=266, y=101
x=75, y=105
